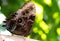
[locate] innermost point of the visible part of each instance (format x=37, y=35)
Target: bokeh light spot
x=58, y=3
x=35, y=29
x=39, y=12
x=58, y=31
x=43, y=36
x=40, y=32
x=39, y=8
x=57, y=21
x=55, y=15
x=28, y=36
x=48, y=2
x=44, y=26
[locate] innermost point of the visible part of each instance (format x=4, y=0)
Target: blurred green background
x=47, y=22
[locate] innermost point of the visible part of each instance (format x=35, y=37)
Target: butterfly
x=22, y=20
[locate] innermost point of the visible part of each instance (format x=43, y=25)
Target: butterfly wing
x=22, y=21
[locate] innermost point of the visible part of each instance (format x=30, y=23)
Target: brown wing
x=22, y=21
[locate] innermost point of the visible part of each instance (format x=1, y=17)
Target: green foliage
x=11, y=6
x=47, y=24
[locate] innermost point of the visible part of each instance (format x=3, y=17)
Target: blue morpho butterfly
x=22, y=21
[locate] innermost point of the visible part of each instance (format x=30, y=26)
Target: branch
x=14, y=38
